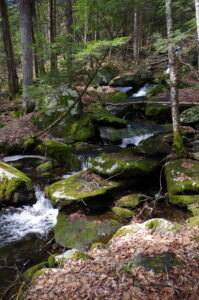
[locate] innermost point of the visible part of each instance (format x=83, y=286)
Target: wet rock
x=160, y=113
x=28, y=274
x=15, y=187
x=157, y=145
x=123, y=164
x=182, y=178
x=80, y=188
x=63, y=153
x=136, y=80
x=81, y=233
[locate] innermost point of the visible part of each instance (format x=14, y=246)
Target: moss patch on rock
x=123, y=212
x=190, y=115
x=83, y=186
x=15, y=186
x=61, y=152
x=81, y=233
x=129, y=201
x=123, y=164
x=182, y=178
x=159, y=113
x=154, y=146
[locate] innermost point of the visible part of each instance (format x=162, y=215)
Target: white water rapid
x=142, y=92
x=135, y=140
x=19, y=223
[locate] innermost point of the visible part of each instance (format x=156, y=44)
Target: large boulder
x=63, y=153
x=105, y=74
x=122, y=164
x=157, y=145
x=160, y=113
x=190, y=115
x=80, y=188
x=182, y=178
x=136, y=80
x=15, y=187
x=80, y=232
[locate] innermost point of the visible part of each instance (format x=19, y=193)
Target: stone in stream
x=129, y=201
x=81, y=232
x=182, y=178
x=122, y=164
x=82, y=187
x=158, y=145
x=15, y=187
x=137, y=80
x=64, y=154
x=123, y=213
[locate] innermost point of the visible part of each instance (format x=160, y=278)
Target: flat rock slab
x=122, y=164
x=73, y=232
x=80, y=187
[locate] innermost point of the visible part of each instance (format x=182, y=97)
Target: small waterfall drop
x=142, y=92
x=19, y=223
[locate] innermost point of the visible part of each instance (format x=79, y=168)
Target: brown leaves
x=104, y=278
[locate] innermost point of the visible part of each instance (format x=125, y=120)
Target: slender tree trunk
x=34, y=18
x=69, y=17
x=135, y=35
x=11, y=67
x=52, y=32
x=197, y=22
x=178, y=147
x=69, y=28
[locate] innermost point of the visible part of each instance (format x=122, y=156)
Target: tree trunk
x=52, y=32
x=69, y=17
x=197, y=23
x=135, y=35
x=11, y=67
x=27, y=55
x=34, y=18
x=69, y=28
x=178, y=147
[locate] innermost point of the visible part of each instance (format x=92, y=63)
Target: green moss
x=51, y=261
x=156, y=89
x=178, y=147
x=154, y=146
x=194, y=208
x=80, y=255
x=129, y=200
x=2, y=125
x=122, y=231
x=28, y=274
x=158, y=112
x=122, y=164
x=83, y=186
x=116, y=97
x=159, y=263
x=60, y=151
x=39, y=273
x=190, y=115
x=194, y=221
x=102, y=116
x=96, y=245
x=123, y=212
x=81, y=233
x=49, y=165
x=182, y=181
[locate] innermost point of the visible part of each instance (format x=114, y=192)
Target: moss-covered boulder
x=159, y=113
x=77, y=128
x=190, y=115
x=102, y=117
x=79, y=188
x=54, y=103
x=123, y=213
x=123, y=164
x=129, y=201
x=156, y=89
x=136, y=80
x=81, y=233
x=63, y=153
x=157, y=145
x=106, y=73
x=15, y=187
x=116, y=97
x=156, y=224
x=182, y=178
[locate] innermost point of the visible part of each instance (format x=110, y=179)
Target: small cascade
x=19, y=223
x=167, y=71
x=19, y=157
x=142, y=92
x=135, y=140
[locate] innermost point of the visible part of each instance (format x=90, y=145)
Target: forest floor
x=108, y=275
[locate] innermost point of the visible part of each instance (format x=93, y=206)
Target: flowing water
x=142, y=91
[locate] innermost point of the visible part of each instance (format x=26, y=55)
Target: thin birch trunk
x=197, y=23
